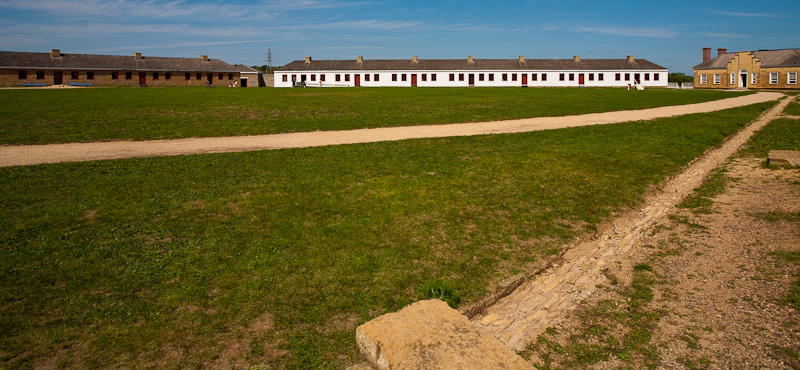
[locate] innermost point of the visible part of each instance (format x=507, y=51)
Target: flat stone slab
x=431, y=335
x=784, y=157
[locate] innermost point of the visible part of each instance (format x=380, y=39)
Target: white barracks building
x=575, y=72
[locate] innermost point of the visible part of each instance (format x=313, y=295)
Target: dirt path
x=77, y=152
x=545, y=301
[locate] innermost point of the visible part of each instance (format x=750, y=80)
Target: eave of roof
x=465, y=65
x=26, y=60
x=769, y=59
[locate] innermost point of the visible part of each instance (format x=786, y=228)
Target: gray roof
x=768, y=58
x=245, y=69
x=26, y=60
x=463, y=64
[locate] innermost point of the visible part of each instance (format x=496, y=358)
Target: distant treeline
x=679, y=78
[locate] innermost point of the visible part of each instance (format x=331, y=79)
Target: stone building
x=249, y=77
x=762, y=69
x=575, y=72
x=55, y=68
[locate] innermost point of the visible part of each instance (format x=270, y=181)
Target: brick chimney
x=630, y=58
x=308, y=60
x=360, y=59
x=721, y=51
x=204, y=58
x=414, y=59
x=576, y=58
x=55, y=53
x=137, y=55
x=522, y=59
x=706, y=54
x=469, y=60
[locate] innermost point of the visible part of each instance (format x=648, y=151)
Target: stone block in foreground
x=431, y=335
x=784, y=157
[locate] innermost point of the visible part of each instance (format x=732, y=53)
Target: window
x=572, y=77
x=74, y=75
x=220, y=76
x=617, y=76
x=513, y=77
x=591, y=76
x=655, y=76
x=461, y=77
x=155, y=75
x=433, y=76
x=733, y=79
x=599, y=77
x=491, y=76
x=337, y=77
x=377, y=77
x=534, y=77
x=703, y=79
x=187, y=76
x=23, y=75
x=480, y=77
x=424, y=77
x=347, y=78
x=313, y=77
x=321, y=78
x=717, y=79
x=168, y=75
x=647, y=77
x=129, y=75
x=561, y=77
x=114, y=75
x=230, y=76
x=773, y=78
x=285, y=78
x=627, y=77
x=754, y=80
x=394, y=77
x=544, y=77
x=505, y=76
x=403, y=77
x=452, y=77
x=40, y=75
x=200, y=75
x=90, y=75
x=791, y=78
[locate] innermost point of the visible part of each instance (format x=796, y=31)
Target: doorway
x=414, y=80
x=58, y=78
x=524, y=80
x=471, y=79
x=358, y=80
x=244, y=82
x=580, y=79
x=743, y=78
x=142, y=78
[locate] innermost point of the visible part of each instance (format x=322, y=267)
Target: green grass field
x=272, y=258
x=102, y=114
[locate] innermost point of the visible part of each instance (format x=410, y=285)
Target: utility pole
x=269, y=60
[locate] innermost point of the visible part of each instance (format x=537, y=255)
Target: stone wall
x=11, y=77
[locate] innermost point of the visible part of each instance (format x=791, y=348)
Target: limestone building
x=762, y=69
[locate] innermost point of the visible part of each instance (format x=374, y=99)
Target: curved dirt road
x=24, y=155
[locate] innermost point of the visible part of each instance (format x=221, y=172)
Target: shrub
x=441, y=290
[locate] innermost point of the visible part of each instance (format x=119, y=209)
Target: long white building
x=575, y=72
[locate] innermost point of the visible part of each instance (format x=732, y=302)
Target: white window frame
x=791, y=78
x=754, y=80
x=733, y=78
x=773, y=78
x=703, y=79
x=717, y=78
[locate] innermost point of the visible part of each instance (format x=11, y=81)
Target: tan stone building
x=55, y=68
x=762, y=69
x=249, y=77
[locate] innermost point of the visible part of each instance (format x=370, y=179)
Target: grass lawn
x=101, y=114
x=274, y=257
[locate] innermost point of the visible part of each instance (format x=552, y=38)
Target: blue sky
x=670, y=33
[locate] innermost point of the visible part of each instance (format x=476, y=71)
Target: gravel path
x=546, y=300
x=24, y=155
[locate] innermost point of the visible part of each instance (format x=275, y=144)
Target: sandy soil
x=723, y=278
x=77, y=152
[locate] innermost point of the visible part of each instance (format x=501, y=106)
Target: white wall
x=347, y=78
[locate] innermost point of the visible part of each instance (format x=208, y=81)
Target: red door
x=525, y=79
x=142, y=78
x=580, y=79
x=358, y=80
x=413, y=80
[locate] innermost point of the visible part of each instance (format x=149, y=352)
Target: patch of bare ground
x=721, y=284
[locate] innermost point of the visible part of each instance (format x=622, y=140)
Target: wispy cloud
x=749, y=14
x=724, y=35
x=656, y=32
